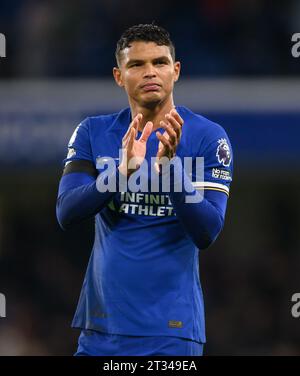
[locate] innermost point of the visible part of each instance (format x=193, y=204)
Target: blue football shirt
x=143, y=274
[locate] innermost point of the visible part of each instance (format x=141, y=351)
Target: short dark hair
x=144, y=33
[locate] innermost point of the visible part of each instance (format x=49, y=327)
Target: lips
x=151, y=86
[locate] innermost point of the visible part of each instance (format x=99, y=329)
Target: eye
x=135, y=65
x=160, y=62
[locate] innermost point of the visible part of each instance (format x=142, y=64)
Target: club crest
x=223, y=152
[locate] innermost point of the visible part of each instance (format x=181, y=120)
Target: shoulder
x=199, y=122
x=102, y=120
x=201, y=128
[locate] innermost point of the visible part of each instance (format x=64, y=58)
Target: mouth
x=151, y=87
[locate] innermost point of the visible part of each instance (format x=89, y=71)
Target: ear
x=177, y=67
x=118, y=76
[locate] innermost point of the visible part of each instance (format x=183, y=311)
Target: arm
x=204, y=220
x=78, y=196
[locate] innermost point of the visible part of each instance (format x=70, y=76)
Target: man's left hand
x=169, y=140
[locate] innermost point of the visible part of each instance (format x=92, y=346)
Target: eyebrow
x=134, y=61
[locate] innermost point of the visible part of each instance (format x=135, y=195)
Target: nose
x=149, y=71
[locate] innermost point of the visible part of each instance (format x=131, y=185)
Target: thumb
x=146, y=132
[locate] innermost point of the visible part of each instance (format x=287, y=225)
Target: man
x=141, y=294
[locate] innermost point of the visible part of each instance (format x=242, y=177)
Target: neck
x=154, y=113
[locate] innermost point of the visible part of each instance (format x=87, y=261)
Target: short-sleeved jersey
x=143, y=274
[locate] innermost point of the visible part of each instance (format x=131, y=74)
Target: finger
x=146, y=132
x=127, y=134
x=175, y=125
x=164, y=141
x=131, y=139
x=170, y=131
x=166, y=150
x=134, y=124
x=138, y=119
x=177, y=116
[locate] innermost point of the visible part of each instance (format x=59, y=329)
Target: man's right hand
x=133, y=150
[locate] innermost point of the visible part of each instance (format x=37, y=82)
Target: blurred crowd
x=51, y=38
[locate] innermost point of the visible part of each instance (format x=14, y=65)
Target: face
x=147, y=73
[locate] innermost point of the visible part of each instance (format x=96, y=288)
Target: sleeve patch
x=223, y=152
x=218, y=173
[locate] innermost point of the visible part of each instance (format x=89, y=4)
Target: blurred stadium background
x=237, y=69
